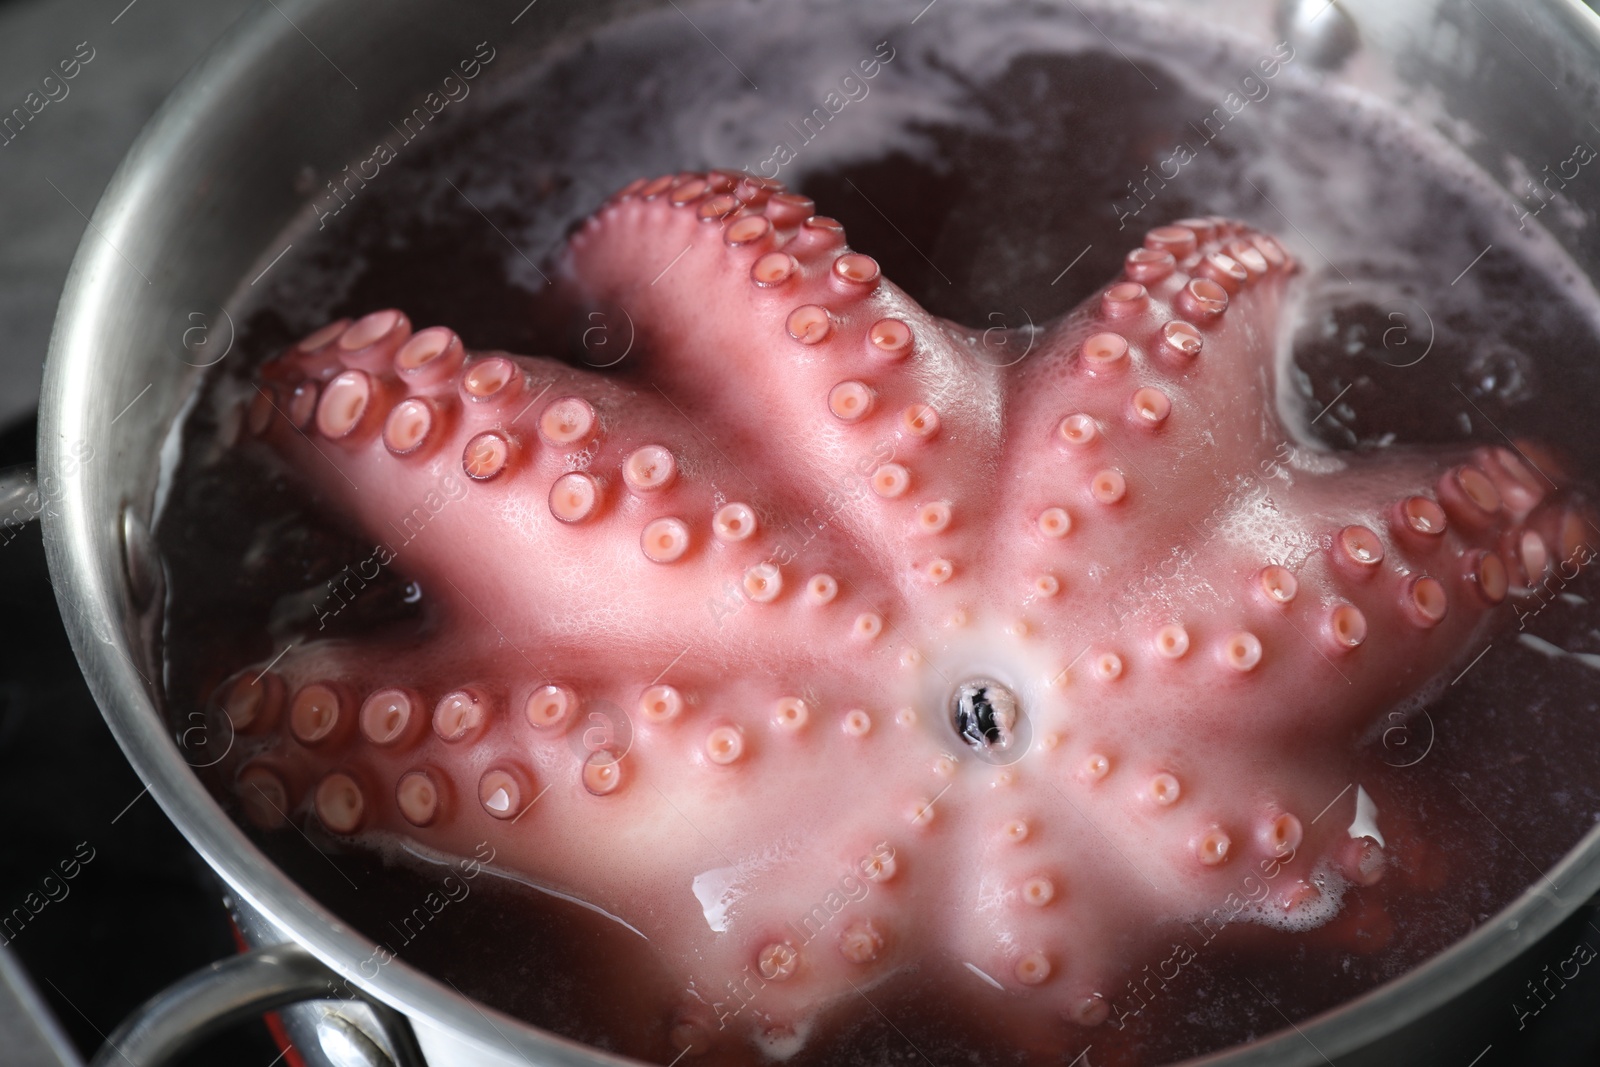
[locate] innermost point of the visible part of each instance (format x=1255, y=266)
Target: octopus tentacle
x=845, y=383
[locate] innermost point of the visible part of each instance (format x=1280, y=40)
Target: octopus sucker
x=808, y=597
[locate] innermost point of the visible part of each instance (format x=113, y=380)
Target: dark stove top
x=100, y=898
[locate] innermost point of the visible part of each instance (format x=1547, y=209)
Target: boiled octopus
x=819, y=639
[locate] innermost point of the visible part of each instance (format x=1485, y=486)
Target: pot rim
x=91, y=597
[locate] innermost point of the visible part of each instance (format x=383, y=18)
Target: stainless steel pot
x=214, y=179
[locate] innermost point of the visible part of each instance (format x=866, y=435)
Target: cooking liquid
x=1007, y=149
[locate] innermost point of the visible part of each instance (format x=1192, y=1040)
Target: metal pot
x=213, y=179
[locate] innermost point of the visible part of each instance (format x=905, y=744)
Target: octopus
x=822, y=640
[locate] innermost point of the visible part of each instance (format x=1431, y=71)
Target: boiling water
x=999, y=163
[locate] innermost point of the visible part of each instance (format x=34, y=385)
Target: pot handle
x=19, y=501
x=236, y=989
